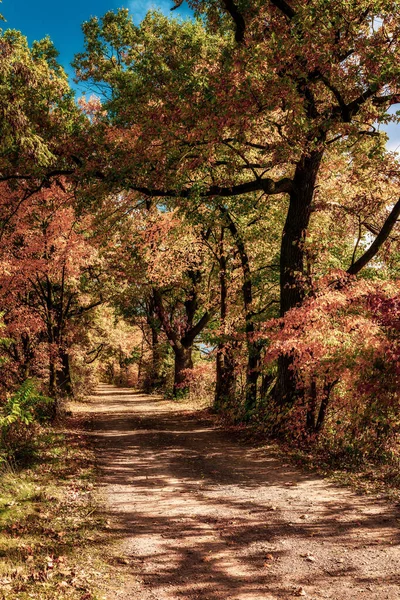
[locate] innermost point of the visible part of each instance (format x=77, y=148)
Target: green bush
x=20, y=416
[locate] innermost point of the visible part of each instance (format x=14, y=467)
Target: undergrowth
x=51, y=535
x=368, y=473
x=379, y=477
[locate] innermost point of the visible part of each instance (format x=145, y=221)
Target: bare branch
x=378, y=242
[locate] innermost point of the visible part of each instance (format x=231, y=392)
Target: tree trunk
x=253, y=349
x=64, y=382
x=266, y=381
x=182, y=345
x=156, y=379
x=225, y=378
x=225, y=375
x=52, y=378
x=157, y=358
x=312, y=407
x=183, y=363
x=219, y=378
x=252, y=374
x=326, y=394
x=292, y=281
x=27, y=356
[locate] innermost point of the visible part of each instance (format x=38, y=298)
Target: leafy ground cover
x=53, y=541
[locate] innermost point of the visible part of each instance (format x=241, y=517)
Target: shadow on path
x=201, y=516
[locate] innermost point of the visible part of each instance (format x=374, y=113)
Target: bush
x=20, y=416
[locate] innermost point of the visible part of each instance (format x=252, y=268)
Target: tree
x=177, y=264
x=344, y=344
x=38, y=112
x=215, y=116
x=48, y=280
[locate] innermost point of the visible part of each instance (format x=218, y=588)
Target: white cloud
x=139, y=8
x=393, y=131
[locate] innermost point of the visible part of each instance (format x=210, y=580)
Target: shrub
x=344, y=343
x=20, y=416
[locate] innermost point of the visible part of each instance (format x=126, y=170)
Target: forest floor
x=53, y=538
x=194, y=513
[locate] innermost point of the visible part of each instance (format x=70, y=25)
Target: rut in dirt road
x=200, y=516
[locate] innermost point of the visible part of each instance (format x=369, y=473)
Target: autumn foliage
x=221, y=222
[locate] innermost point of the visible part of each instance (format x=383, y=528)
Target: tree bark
x=183, y=364
x=225, y=386
x=225, y=366
x=27, y=356
x=52, y=378
x=64, y=381
x=292, y=279
x=182, y=345
x=266, y=381
x=252, y=374
x=312, y=407
x=253, y=348
x=326, y=394
x=156, y=379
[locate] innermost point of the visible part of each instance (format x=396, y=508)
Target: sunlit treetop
x=38, y=108
x=194, y=107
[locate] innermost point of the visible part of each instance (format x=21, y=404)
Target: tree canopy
x=224, y=200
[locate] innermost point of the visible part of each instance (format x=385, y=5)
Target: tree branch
x=190, y=335
x=82, y=309
x=379, y=240
x=284, y=7
x=268, y=186
x=97, y=351
x=162, y=315
x=237, y=17
x=54, y=173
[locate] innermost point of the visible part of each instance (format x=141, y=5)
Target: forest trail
x=199, y=515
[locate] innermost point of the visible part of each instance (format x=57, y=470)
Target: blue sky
x=62, y=22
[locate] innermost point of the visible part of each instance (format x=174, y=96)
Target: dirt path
x=201, y=516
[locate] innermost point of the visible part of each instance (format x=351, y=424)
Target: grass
x=52, y=537
x=378, y=477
